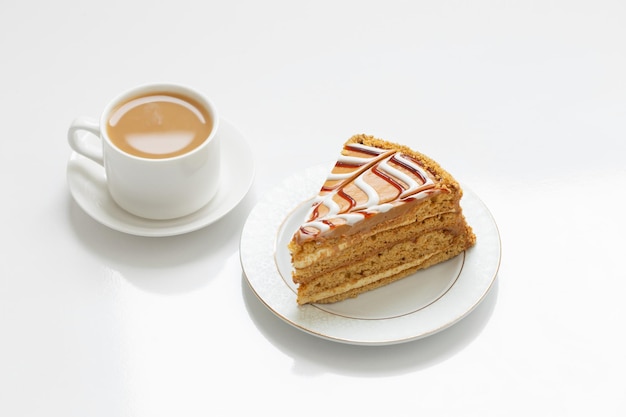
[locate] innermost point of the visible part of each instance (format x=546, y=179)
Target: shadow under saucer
x=314, y=355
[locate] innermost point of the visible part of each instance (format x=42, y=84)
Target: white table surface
x=523, y=101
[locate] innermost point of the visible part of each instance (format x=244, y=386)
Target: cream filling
x=302, y=261
x=308, y=260
x=348, y=286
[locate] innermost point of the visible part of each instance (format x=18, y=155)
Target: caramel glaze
x=366, y=181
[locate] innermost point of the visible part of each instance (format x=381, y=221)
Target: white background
x=524, y=101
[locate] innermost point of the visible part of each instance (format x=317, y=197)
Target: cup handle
x=85, y=145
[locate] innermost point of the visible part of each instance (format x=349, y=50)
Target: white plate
x=87, y=184
x=414, y=307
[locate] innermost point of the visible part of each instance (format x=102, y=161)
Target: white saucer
x=417, y=306
x=87, y=184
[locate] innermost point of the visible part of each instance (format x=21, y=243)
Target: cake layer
x=358, y=249
x=311, y=252
x=362, y=279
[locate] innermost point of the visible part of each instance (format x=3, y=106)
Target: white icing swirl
x=418, y=186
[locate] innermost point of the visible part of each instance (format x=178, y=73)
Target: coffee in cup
x=159, y=124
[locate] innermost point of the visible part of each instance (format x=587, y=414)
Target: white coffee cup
x=147, y=185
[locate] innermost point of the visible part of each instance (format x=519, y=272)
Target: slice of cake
x=384, y=212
